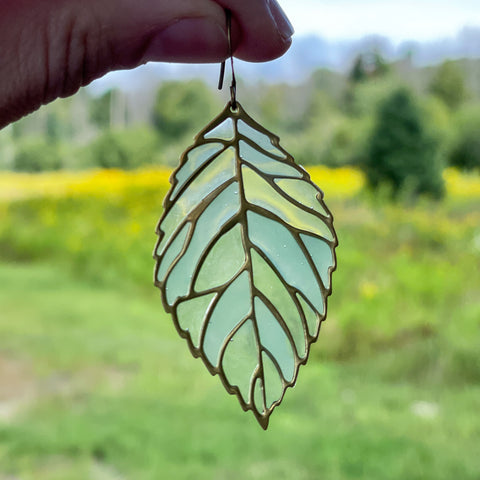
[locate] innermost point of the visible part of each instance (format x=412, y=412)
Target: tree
x=380, y=65
x=449, y=85
x=368, y=65
x=400, y=151
x=100, y=109
x=358, y=73
x=465, y=150
x=183, y=108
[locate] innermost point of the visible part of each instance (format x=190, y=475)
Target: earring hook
x=233, y=85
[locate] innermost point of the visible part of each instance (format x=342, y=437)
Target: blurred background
x=380, y=101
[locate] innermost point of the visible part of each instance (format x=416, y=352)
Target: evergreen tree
x=358, y=73
x=400, y=152
x=368, y=65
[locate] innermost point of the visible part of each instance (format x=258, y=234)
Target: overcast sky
x=398, y=20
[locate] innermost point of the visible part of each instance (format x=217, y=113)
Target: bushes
x=36, y=155
x=346, y=144
x=125, y=149
x=464, y=152
x=400, y=152
x=448, y=84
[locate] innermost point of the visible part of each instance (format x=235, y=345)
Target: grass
x=95, y=383
x=114, y=387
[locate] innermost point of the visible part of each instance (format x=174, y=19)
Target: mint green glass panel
x=169, y=227
x=259, y=192
x=273, y=383
x=217, y=173
x=191, y=316
x=241, y=359
x=172, y=252
x=210, y=222
x=279, y=246
x=259, y=138
x=267, y=282
x=266, y=164
x=303, y=192
x=195, y=159
x=322, y=256
x=224, y=260
x=232, y=307
x=274, y=339
x=312, y=319
x=224, y=131
x=258, y=396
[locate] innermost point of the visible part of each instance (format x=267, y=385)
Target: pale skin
x=51, y=48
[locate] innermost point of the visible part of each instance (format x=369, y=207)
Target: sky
x=396, y=19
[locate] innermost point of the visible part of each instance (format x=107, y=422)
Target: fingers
x=265, y=31
x=50, y=48
x=260, y=32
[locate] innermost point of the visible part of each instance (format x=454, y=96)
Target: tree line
x=402, y=125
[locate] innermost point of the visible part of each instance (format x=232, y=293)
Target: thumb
x=50, y=48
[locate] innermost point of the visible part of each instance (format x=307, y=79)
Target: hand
x=50, y=48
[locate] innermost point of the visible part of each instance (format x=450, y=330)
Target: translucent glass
x=303, y=192
x=217, y=173
x=262, y=140
x=265, y=163
x=241, y=359
x=321, y=254
x=258, y=396
x=283, y=251
x=273, y=382
x=209, y=223
x=169, y=227
x=223, y=262
x=232, y=307
x=311, y=317
x=191, y=316
x=266, y=281
x=224, y=131
x=274, y=339
x=172, y=252
x=195, y=159
x=259, y=192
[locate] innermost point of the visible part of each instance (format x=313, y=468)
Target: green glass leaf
x=245, y=255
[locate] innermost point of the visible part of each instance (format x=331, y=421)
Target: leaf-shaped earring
x=245, y=255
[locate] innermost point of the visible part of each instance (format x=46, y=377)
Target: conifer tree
x=400, y=152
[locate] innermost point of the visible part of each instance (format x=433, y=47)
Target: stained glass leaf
x=245, y=255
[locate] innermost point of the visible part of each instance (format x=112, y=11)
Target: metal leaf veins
x=245, y=255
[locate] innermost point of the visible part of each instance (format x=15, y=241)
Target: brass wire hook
x=233, y=86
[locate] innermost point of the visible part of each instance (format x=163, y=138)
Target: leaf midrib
x=247, y=245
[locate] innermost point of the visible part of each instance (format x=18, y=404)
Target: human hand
x=50, y=48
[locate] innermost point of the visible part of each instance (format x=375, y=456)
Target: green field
x=96, y=384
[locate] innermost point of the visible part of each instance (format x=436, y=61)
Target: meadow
x=97, y=385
